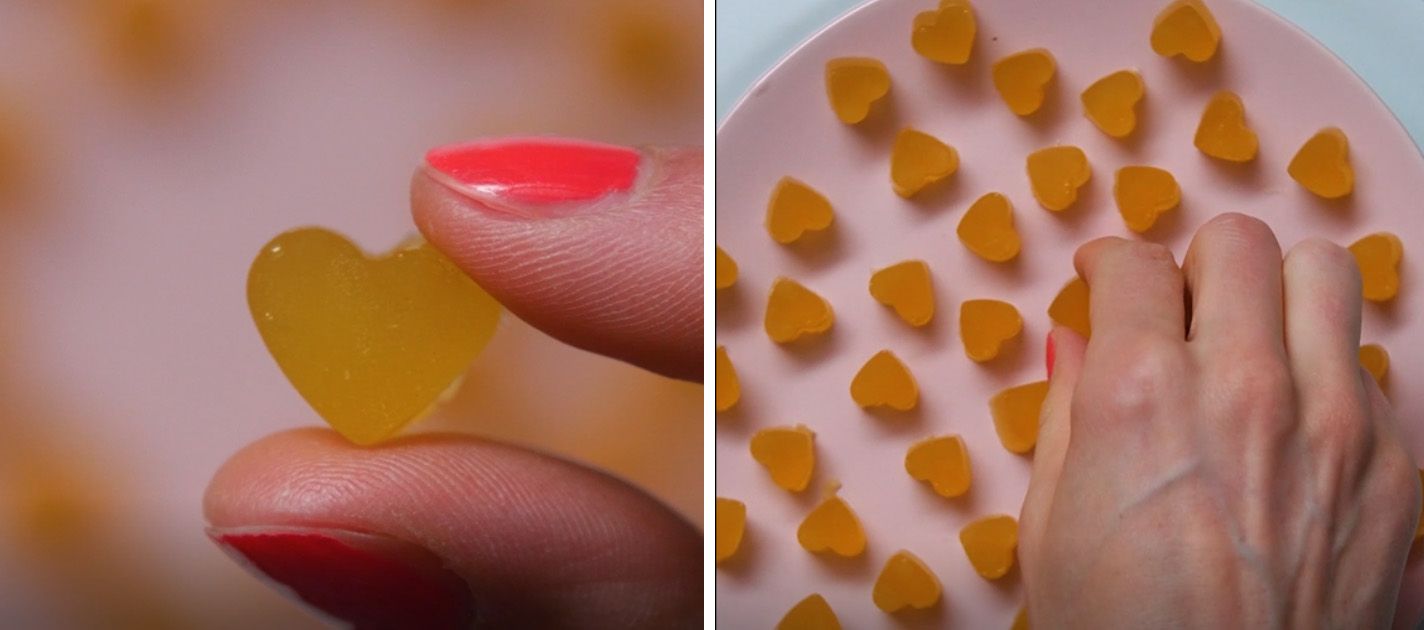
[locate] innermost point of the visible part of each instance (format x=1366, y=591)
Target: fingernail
x=536, y=177
x=366, y=580
x=1048, y=354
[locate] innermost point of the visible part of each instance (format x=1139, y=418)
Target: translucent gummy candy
x=945, y=34
x=986, y=325
x=854, y=84
x=1377, y=256
x=1322, y=165
x=1223, y=133
x=729, y=389
x=726, y=270
x=787, y=453
x=812, y=613
x=884, y=381
x=1015, y=411
x=1022, y=79
x=918, y=160
x=990, y=543
x=793, y=310
x=987, y=229
x=1144, y=193
x=1070, y=307
x=832, y=526
x=1111, y=102
x=731, y=523
x=1056, y=174
x=904, y=582
x=370, y=343
x=941, y=462
x=794, y=209
x=1188, y=29
x=905, y=287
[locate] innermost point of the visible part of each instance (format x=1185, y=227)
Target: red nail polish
x=537, y=170
x=372, y=582
x=1048, y=354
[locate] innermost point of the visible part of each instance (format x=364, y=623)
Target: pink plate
x=1291, y=87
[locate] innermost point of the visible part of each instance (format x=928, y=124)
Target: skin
x=1219, y=460
x=541, y=542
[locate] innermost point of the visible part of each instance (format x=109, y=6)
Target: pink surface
x=1291, y=87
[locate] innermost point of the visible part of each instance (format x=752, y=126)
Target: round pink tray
x=1291, y=87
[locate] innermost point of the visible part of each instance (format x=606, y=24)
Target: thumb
x=1065, y=364
x=599, y=246
x=446, y=531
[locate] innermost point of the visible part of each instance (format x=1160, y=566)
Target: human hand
x=1219, y=460
x=450, y=531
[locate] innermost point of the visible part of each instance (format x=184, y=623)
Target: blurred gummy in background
x=148, y=148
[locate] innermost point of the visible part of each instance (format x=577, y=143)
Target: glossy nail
x=539, y=176
x=1048, y=354
x=366, y=580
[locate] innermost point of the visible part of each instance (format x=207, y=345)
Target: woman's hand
x=1215, y=457
x=448, y=531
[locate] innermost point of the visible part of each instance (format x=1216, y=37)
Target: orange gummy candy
x=1070, y=307
x=832, y=526
x=372, y=343
x=1322, y=165
x=884, y=381
x=731, y=523
x=1111, y=102
x=941, y=461
x=787, y=453
x=905, y=287
x=1377, y=256
x=793, y=310
x=812, y=613
x=794, y=209
x=1056, y=174
x=946, y=33
x=990, y=543
x=987, y=229
x=1022, y=79
x=1021, y=620
x=1375, y=360
x=1188, y=29
x=1223, y=133
x=729, y=389
x=1143, y=193
x=905, y=581
x=1015, y=411
x=919, y=160
x=986, y=325
x=854, y=84
x=726, y=269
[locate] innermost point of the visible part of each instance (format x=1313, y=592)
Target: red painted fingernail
x=536, y=172
x=366, y=580
x=1048, y=354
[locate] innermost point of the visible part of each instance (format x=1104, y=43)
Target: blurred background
x=149, y=148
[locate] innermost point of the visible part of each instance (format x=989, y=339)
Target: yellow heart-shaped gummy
x=1111, y=102
x=1070, y=307
x=1056, y=174
x=1022, y=79
x=832, y=526
x=918, y=160
x=990, y=543
x=1322, y=165
x=793, y=310
x=854, y=84
x=1021, y=620
x=812, y=613
x=731, y=524
x=942, y=462
x=370, y=343
x=985, y=325
x=885, y=382
x=1015, y=411
x=1375, y=360
x=1188, y=29
x=794, y=209
x=1143, y=193
x=726, y=269
x=787, y=453
x=906, y=288
x=945, y=34
x=987, y=229
x=1223, y=133
x=1377, y=256
x=905, y=581
x=729, y=389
